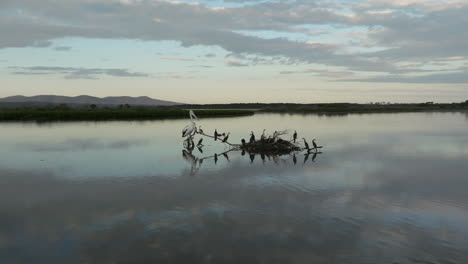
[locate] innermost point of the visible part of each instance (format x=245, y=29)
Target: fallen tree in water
x=272, y=146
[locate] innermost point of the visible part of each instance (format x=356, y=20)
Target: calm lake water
x=388, y=188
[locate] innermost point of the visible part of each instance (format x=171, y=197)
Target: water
x=388, y=188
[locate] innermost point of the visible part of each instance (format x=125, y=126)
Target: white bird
x=191, y=128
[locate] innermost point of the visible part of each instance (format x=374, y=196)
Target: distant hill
x=85, y=100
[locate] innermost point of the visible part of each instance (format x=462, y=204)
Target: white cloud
x=409, y=31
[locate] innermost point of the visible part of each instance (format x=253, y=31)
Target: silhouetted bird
x=226, y=138
x=306, y=144
x=262, y=137
x=216, y=135
x=200, y=142
x=313, y=143
x=252, y=137
x=243, y=142
x=295, y=136
x=200, y=130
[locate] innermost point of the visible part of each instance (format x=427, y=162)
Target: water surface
x=388, y=188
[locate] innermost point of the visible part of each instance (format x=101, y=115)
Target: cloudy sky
x=211, y=51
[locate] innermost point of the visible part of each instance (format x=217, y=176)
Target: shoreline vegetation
x=63, y=112
x=341, y=108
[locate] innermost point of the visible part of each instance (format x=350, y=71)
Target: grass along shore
x=57, y=114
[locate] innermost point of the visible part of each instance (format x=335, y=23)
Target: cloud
x=77, y=73
x=176, y=58
x=454, y=78
x=387, y=32
x=235, y=63
x=322, y=72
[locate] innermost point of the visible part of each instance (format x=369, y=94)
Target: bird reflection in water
x=196, y=162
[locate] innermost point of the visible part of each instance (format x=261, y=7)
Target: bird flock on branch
x=267, y=146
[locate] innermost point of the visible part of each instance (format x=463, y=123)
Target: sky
x=226, y=51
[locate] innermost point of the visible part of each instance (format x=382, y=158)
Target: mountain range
x=87, y=100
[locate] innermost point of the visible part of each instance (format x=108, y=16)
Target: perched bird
x=216, y=135
x=262, y=137
x=315, y=144
x=243, y=142
x=226, y=137
x=200, y=130
x=190, y=128
x=295, y=136
x=275, y=136
x=252, y=137
x=199, y=144
x=306, y=144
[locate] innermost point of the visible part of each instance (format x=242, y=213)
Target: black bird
x=294, y=159
x=226, y=156
x=200, y=142
x=262, y=137
x=243, y=142
x=314, y=144
x=226, y=138
x=252, y=137
x=216, y=135
x=295, y=136
x=216, y=158
x=200, y=130
x=306, y=144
